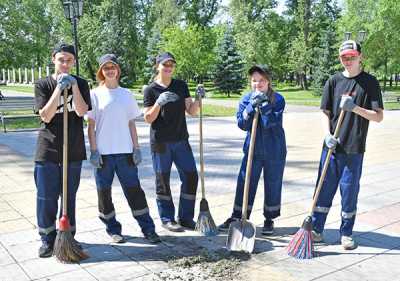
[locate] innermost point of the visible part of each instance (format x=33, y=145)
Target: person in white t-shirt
x=115, y=149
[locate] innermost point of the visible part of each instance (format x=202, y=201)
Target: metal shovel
x=241, y=235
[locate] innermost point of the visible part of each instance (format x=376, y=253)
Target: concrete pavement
x=377, y=225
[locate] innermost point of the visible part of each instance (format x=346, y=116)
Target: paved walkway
x=180, y=257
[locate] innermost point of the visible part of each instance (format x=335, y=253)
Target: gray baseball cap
x=107, y=58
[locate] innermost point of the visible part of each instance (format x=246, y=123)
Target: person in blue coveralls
x=166, y=101
x=269, y=150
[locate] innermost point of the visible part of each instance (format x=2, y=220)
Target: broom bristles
x=301, y=246
x=205, y=224
x=66, y=249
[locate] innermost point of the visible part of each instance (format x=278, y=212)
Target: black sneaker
x=46, y=250
x=225, y=226
x=191, y=225
x=268, y=228
x=152, y=237
x=172, y=226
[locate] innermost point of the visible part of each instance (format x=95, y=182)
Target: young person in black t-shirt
x=359, y=94
x=49, y=148
x=166, y=100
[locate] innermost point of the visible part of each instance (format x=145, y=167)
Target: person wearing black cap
x=166, y=100
x=49, y=148
x=115, y=148
x=269, y=151
x=359, y=94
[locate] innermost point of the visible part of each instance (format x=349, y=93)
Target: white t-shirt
x=112, y=109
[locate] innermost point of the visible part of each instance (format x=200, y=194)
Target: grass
x=218, y=111
x=22, y=88
x=22, y=123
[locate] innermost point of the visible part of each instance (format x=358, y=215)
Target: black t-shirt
x=170, y=124
x=366, y=93
x=49, y=145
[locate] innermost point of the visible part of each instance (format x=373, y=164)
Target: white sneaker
x=348, y=243
x=317, y=237
x=117, y=238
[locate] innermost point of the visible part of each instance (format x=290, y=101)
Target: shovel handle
x=65, y=152
x=326, y=162
x=249, y=165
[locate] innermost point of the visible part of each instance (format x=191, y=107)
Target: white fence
x=23, y=75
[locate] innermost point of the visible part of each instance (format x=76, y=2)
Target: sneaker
x=152, y=237
x=187, y=224
x=172, y=226
x=268, y=228
x=317, y=237
x=348, y=243
x=117, y=238
x=46, y=250
x=225, y=226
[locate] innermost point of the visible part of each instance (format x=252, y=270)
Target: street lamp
x=73, y=10
x=347, y=36
x=361, y=36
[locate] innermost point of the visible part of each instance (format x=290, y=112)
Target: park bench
x=12, y=104
x=390, y=97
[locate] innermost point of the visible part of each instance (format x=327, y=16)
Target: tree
x=324, y=45
x=229, y=73
x=300, y=51
x=193, y=48
x=199, y=12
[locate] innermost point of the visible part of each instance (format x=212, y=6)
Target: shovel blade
x=241, y=236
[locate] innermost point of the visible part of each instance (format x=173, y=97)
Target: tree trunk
x=391, y=81
x=384, y=77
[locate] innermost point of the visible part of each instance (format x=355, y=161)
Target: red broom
x=66, y=249
x=301, y=246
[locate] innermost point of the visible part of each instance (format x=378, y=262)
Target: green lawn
x=23, y=89
x=22, y=123
x=218, y=111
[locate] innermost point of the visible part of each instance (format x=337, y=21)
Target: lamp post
x=73, y=10
x=361, y=36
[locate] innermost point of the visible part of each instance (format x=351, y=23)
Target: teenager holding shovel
x=166, y=101
x=269, y=151
x=358, y=93
x=49, y=149
x=115, y=149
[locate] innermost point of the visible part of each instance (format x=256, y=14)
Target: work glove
x=95, y=159
x=258, y=98
x=200, y=92
x=137, y=156
x=63, y=81
x=331, y=142
x=347, y=103
x=166, y=97
x=72, y=79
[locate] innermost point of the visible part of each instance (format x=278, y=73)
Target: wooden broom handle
x=326, y=162
x=203, y=191
x=249, y=165
x=65, y=152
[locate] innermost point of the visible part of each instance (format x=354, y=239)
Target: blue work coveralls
x=269, y=155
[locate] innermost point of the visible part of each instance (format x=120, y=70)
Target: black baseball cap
x=260, y=68
x=350, y=47
x=63, y=47
x=107, y=58
x=167, y=56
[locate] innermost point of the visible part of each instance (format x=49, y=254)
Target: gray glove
x=137, y=156
x=347, y=103
x=258, y=98
x=200, y=92
x=95, y=159
x=72, y=79
x=63, y=81
x=331, y=142
x=166, y=97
